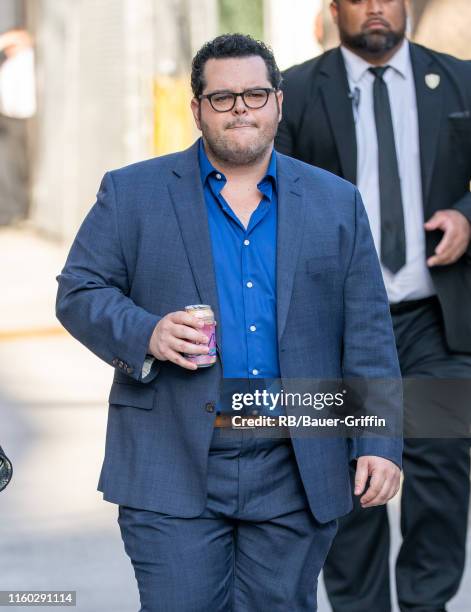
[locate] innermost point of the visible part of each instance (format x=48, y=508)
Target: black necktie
x=393, y=238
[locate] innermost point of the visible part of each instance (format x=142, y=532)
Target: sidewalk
x=55, y=530
x=29, y=264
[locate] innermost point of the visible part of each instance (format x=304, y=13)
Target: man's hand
x=456, y=236
x=176, y=333
x=384, y=482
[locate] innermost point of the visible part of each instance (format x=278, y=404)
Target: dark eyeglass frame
x=209, y=97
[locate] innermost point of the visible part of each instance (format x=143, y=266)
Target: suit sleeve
x=369, y=352
x=92, y=299
x=463, y=205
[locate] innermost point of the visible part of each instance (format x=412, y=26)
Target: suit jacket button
x=121, y=364
x=129, y=370
x=210, y=407
x=114, y=362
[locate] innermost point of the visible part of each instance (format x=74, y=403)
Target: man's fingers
x=446, y=243
x=455, y=240
x=384, y=486
x=448, y=256
x=444, y=250
x=176, y=333
x=435, y=222
x=187, y=333
x=442, y=260
x=375, y=486
x=390, y=489
x=436, y=260
x=181, y=346
x=378, y=493
x=179, y=360
x=361, y=476
x=184, y=318
x=384, y=480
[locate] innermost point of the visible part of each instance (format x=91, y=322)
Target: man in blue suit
x=219, y=518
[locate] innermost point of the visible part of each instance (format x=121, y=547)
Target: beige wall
x=445, y=26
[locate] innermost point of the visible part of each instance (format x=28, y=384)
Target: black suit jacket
x=318, y=128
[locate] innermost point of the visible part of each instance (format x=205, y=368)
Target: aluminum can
x=204, y=312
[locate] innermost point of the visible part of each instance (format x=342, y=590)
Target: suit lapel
x=289, y=234
x=187, y=196
x=335, y=92
x=429, y=110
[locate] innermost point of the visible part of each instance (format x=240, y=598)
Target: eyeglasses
x=224, y=101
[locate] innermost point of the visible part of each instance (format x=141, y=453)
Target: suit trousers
x=256, y=547
x=435, y=493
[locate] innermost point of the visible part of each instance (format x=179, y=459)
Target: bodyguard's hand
x=456, y=236
x=176, y=333
x=384, y=481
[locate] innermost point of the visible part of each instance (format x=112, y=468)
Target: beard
x=374, y=43
x=245, y=152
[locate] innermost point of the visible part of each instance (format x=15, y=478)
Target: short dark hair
x=232, y=45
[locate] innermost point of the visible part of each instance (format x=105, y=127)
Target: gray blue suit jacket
x=144, y=250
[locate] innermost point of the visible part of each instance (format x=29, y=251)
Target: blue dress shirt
x=245, y=269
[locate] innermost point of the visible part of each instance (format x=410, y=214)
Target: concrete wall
x=290, y=30
x=98, y=65
x=445, y=25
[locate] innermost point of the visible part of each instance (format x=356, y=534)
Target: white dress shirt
x=413, y=281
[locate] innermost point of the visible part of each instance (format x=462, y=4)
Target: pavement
x=56, y=532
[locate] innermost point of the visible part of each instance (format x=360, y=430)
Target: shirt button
x=250, y=284
x=255, y=372
x=246, y=242
x=253, y=328
x=218, y=176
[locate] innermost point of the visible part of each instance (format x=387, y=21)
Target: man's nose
x=239, y=106
x=374, y=7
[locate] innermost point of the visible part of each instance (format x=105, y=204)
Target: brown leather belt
x=236, y=421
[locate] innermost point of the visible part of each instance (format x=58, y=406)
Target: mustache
x=233, y=124
x=376, y=19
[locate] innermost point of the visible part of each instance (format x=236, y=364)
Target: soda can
x=204, y=312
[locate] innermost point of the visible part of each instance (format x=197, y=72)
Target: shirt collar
x=207, y=169
x=357, y=67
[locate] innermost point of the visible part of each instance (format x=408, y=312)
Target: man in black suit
x=395, y=118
